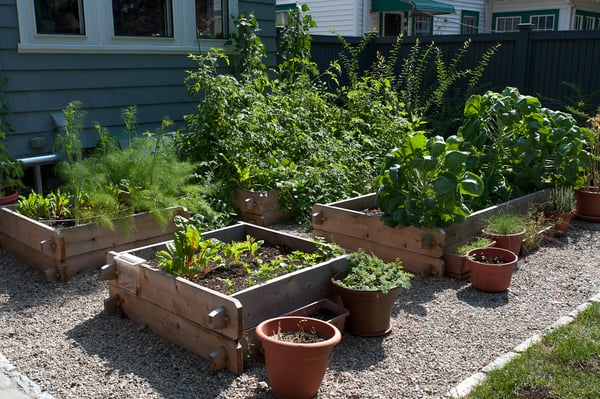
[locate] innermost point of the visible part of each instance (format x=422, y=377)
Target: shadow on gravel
x=480, y=299
x=423, y=291
x=26, y=287
x=128, y=347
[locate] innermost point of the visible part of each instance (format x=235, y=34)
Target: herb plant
x=506, y=222
x=370, y=273
x=477, y=242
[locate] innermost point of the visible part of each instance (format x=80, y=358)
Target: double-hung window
x=123, y=25
x=508, y=24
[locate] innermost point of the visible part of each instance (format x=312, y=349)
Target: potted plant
x=587, y=197
x=491, y=268
x=507, y=228
x=296, y=353
x=454, y=258
x=559, y=208
x=368, y=288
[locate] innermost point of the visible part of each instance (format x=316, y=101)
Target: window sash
x=99, y=37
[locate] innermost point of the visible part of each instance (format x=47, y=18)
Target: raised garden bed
x=213, y=325
x=260, y=208
x=352, y=225
x=61, y=252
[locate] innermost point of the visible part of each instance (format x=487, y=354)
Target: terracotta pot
x=511, y=242
x=491, y=277
x=370, y=311
x=587, y=204
x=561, y=221
x=11, y=197
x=295, y=370
x=455, y=265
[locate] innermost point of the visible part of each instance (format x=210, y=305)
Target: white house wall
x=450, y=24
x=342, y=16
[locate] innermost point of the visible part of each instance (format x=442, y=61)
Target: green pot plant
x=507, y=228
x=11, y=170
x=559, y=208
x=454, y=258
x=491, y=268
x=296, y=353
x=109, y=199
x=587, y=197
x=368, y=288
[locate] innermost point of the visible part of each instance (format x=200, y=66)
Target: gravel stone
x=443, y=332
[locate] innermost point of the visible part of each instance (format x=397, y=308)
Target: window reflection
x=152, y=18
x=211, y=18
x=59, y=17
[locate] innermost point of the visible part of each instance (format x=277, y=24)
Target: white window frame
x=511, y=18
x=99, y=32
x=545, y=17
x=578, y=22
x=590, y=23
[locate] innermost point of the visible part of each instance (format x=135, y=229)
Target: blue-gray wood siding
x=42, y=84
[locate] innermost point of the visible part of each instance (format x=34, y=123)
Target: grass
x=564, y=364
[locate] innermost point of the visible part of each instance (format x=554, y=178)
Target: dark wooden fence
x=544, y=64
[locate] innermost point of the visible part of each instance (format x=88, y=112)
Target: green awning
x=432, y=7
x=285, y=7
x=390, y=5
x=429, y=7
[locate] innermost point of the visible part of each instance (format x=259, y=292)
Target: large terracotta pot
x=370, y=311
x=491, y=277
x=587, y=204
x=511, y=242
x=11, y=197
x=295, y=370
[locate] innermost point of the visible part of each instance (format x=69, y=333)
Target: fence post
x=521, y=58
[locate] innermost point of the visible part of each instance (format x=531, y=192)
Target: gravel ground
x=443, y=331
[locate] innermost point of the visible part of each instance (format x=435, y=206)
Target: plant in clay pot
x=368, y=288
x=454, y=258
x=559, y=208
x=491, y=268
x=587, y=206
x=507, y=229
x=296, y=354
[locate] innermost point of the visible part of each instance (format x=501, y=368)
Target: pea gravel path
x=443, y=331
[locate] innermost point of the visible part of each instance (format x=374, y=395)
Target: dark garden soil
x=535, y=394
x=269, y=261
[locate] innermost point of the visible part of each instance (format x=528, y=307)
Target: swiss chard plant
x=425, y=182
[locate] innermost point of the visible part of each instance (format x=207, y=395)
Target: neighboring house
x=429, y=17
x=109, y=54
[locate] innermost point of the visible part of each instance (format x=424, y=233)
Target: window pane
x=392, y=24
x=59, y=16
x=469, y=24
x=143, y=18
x=211, y=18
x=422, y=25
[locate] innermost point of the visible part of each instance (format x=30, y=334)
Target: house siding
x=42, y=84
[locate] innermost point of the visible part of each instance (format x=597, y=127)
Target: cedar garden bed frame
x=61, y=252
x=213, y=325
x=421, y=250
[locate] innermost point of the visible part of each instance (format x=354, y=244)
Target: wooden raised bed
x=213, y=325
x=260, y=208
x=61, y=252
x=421, y=250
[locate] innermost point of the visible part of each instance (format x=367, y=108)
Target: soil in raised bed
x=269, y=261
